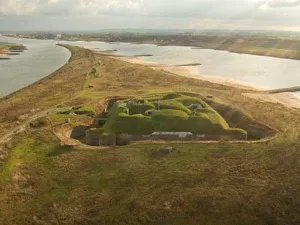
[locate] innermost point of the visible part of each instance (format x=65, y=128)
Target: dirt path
x=21, y=128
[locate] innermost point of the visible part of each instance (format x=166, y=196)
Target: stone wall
x=239, y=137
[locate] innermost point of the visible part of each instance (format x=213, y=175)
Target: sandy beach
x=287, y=99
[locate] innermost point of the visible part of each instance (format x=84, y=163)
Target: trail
x=21, y=128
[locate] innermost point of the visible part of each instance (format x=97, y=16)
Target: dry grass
x=64, y=84
x=218, y=183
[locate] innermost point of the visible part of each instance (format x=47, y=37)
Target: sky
x=17, y=15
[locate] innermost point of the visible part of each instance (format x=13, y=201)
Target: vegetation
x=203, y=183
x=14, y=47
x=280, y=45
x=81, y=110
x=170, y=114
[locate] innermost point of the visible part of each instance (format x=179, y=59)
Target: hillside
x=42, y=182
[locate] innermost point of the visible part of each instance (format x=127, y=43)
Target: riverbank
x=280, y=46
x=280, y=96
x=45, y=93
x=214, y=183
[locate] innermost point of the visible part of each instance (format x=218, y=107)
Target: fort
x=171, y=116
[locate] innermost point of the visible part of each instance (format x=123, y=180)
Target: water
x=262, y=71
x=41, y=59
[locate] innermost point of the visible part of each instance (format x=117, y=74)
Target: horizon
x=82, y=15
x=155, y=31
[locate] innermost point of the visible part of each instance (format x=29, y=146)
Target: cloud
x=22, y=7
x=281, y=3
x=54, y=14
x=64, y=7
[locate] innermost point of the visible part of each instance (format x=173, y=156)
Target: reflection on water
x=263, y=71
x=43, y=57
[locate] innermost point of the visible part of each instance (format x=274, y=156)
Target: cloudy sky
x=149, y=14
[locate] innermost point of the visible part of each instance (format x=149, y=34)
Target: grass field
x=217, y=183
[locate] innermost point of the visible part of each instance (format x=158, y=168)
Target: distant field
x=42, y=182
x=284, y=46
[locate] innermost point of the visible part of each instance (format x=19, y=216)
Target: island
x=8, y=49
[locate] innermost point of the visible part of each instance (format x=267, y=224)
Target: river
x=43, y=57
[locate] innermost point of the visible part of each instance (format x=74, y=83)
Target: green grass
x=133, y=124
x=84, y=110
x=195, y=184
x=135, y=108
x=171, y=104
x=205, y=184
x=23, y=152
x=172, y=115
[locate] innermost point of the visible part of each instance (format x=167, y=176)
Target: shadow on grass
x=60, y=150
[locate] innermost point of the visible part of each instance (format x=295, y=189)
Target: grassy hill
x=172, y=113
x=42, y=182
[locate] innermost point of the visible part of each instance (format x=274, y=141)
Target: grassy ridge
x=219, y=183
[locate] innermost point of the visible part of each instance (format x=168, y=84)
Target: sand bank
x=252, y=91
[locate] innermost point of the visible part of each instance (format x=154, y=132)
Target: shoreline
x=262, y=94
x=44, y=78
x=255, y=51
